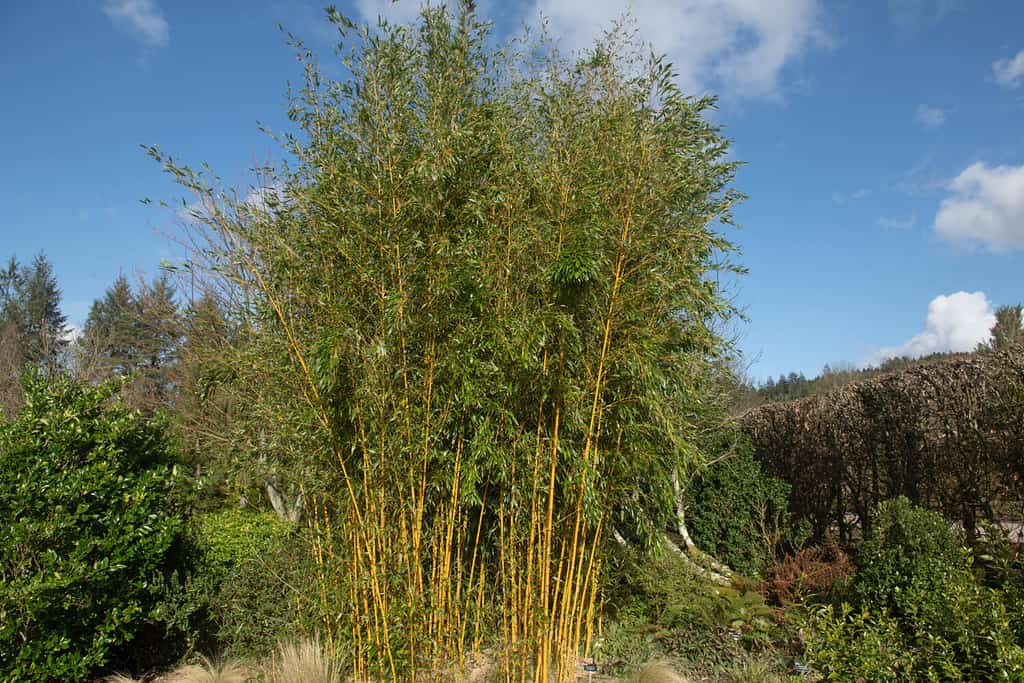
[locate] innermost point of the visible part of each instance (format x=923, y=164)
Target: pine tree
x=134, y=334
x=109, y=334
x=30, y=310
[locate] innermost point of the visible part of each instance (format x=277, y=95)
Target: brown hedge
x=949, y=435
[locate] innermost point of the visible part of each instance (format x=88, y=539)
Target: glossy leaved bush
x=918, y=612
x=738, y=512
x=88, y=529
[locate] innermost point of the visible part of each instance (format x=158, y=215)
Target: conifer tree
x=30, y=309
x=134, y=334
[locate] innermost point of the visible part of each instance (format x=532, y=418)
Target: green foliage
x=1008, y=330
x=134, y=334
x=250, y=583
x=230, y=537
x=30, y=300
x=908, y=558
x=919, y=613
x=737, y=512
x=660, y=608
x=858, y=646
x=32, y=327
x=268, y=598
x=967, y=639
x=481, y=307
x=89, y=525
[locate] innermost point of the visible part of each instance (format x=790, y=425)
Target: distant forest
x=1006, y=331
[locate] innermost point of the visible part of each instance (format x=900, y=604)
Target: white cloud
x=930, y=117
x=740, y=47
x=1009, y=73
x=845, y=197
x=143, y=19
x=956, y=322
x=72, y=333
x=887, y=223
x=263, y=199
x=987, y=207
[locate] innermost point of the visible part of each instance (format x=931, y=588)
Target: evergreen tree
x=109, y=334
x=10, y=282
x=30, y=313
x=134, y=334
x=44, y=327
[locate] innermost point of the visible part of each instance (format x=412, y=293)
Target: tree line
x=1006, y=332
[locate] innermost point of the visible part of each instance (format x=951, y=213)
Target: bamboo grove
x=948, y=435
x=478, y=306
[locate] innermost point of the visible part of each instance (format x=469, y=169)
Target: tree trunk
x=291, y=511
x=705, y=564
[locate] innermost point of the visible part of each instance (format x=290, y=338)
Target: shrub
x=738, y=513
x=857, y=646
x=268, y=596
x=227, y=538
x=250, y=582
x=919, y=613
x=909, y=555
x=663, y=609
x=88, y=529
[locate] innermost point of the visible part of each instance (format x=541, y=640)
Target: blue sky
x=883, y=141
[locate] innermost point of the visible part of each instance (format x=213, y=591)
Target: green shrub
x=739, y=513
x=866, y=646
x=87, y=533
x=227, y=538
x=909, y=555
x=249, y=586
x=661, y=608
x=920, y=614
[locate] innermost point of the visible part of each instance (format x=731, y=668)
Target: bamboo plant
x=480, y=298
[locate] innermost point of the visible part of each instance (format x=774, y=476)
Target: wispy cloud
x=847, y=197
x=914, y=14
x=930, y=117
x=142, y=19
x=897, y=224
x=1009, y=73
x=955, y=322
x=920, y=180
x=986, y=207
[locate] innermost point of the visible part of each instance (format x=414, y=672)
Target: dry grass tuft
x=481, y=668
x=119, y=678
x=658, y=673
x=208, y=672
x=304, y=662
